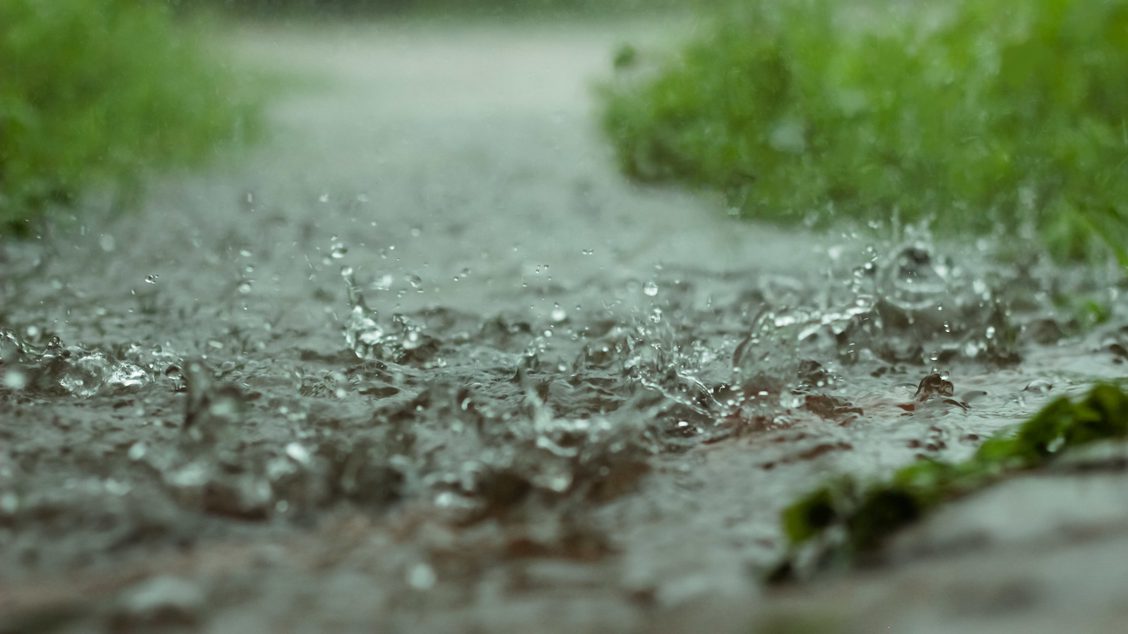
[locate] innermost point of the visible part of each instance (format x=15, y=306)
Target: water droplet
x=15, y=379
x=163, y=599
x=558, y=314
x=151, y=278
x=384, y=282
x=421, y=577
x=298, y=453
x=337, y=249
x=411, y=340
x=650, y=289
x=9, y=503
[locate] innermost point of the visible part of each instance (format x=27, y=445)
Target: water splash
x=514, y=412
x=55, y=368
x=399, y=340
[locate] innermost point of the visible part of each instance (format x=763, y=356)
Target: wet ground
x=425, y=362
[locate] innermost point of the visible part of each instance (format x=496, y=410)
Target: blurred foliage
x=330, y=8
x=96, y=92
x=854, y=518
x=979, y=114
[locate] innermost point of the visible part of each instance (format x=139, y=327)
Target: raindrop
x=411, y=340
x=337, y=249
x=558, y=314
x=384, y=282
x=650, y=289
x=9, y=503
x=298, y=453
x=163, y=599
x=15, y=380
x=421, y=577
x=151, y=278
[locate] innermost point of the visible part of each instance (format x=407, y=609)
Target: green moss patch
x=96, y=92
x=981, y=114
x=854, y=518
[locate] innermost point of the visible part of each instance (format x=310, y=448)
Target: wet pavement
x=425, y=362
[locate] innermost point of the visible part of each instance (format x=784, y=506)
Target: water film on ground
x=427, y=358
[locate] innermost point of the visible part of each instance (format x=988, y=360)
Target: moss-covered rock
x=862, y=515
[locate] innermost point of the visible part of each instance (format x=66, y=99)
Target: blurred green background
x=328, y=7
x=980, y=116
x=976, y=115
x=97, y=93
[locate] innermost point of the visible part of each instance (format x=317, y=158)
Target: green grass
x=976, y=114
x=864, y=515
x=96, y=93
x=440, y=9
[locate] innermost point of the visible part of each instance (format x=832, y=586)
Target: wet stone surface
x=430, y=363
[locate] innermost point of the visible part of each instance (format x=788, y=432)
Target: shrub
x=979, y=114
x=95, y=92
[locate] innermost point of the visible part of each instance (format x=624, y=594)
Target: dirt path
x=463, y=165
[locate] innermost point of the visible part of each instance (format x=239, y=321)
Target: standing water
x=426, y=361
